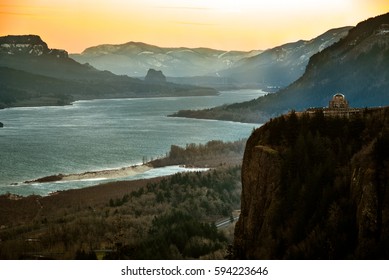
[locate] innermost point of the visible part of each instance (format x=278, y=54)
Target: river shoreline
x=103, y=134
x=93, y=175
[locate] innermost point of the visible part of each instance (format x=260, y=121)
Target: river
x=104, y=134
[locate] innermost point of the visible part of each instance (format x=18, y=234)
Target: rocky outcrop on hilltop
x=314, y=187
x=155, y=76
x=28, y=45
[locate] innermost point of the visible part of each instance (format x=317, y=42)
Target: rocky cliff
x=314, y=187
x=28, y=44
x=155, y=76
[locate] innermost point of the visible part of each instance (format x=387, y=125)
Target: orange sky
x=74, y=25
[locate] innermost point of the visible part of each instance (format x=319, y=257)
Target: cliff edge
x=314, y=187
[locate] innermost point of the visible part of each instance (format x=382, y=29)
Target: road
x=225, y=222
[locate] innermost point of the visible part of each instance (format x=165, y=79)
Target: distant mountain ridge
x=274, y=68
x=33, y=74
x=135, y=58
x=357, y=66
x=280, y=66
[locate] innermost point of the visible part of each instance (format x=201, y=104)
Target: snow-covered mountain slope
x=134, y=59
x=280, y=66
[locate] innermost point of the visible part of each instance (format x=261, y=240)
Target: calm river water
x=104, y=134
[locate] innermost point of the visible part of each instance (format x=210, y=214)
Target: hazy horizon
x=226, y=25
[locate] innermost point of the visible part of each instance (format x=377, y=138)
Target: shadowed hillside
x=315, y=187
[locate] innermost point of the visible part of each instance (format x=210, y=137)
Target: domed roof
x=339, y=96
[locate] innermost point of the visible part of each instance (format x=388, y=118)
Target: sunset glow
x=222, y=24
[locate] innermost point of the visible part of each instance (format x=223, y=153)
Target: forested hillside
x=314, y=187
x=172, y=217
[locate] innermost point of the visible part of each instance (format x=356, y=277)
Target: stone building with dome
x=338, y=106
x=338, y=102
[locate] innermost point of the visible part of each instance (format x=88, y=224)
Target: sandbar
x=91, y=175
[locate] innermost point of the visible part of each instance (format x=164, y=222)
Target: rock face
x=28, y=45
x=314, y=187
x=154, y=76
x=257, y=198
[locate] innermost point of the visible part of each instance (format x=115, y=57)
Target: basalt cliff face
x=315, y=187
x=155, y=76
x=28, y=45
